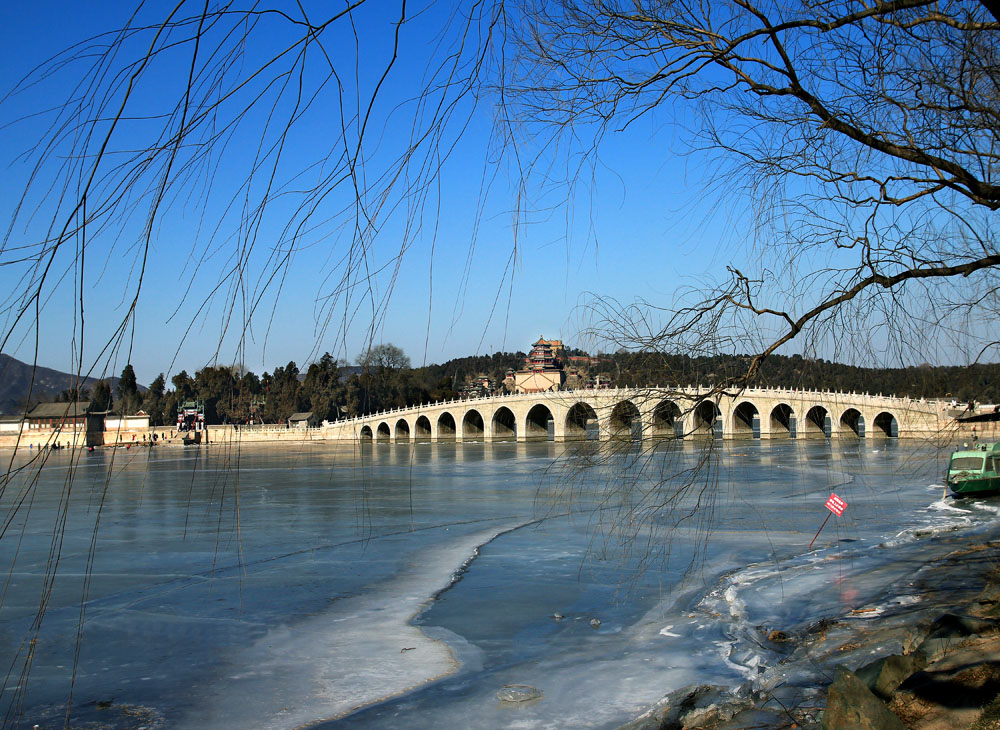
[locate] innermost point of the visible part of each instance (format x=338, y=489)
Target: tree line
x=383, y=378
x=979, y=382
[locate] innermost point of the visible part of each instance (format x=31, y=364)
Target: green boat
x=975, y=471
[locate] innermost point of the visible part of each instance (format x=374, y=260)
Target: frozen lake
x=327, y=584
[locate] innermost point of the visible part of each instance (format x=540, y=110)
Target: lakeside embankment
x=228, y=435
x=926, y=656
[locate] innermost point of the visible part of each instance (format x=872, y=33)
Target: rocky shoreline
x=930, y=663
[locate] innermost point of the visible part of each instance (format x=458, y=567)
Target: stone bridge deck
x=652, y=413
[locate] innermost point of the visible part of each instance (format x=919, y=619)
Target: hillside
x=16, y=380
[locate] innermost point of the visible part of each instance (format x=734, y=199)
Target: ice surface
x=310, y=614
x=363, y=650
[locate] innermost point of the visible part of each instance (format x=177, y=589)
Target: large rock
x=952, y=692
x=934, y=650
x=850, y=705
x=883, y=676
x=667, y=713
x=690, y=708
x=953, y=625
x=950, y=632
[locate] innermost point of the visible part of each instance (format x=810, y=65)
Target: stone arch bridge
x=650, y=413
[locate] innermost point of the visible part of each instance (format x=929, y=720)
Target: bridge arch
x=666, y=420
x=816, y=422
x=781, y=420
x=582, y=422
x=625, y=421
x=504, y=424
x=886, y=424
x=852, y=423
x=574, y=415
x=536, y=422
x=743, y=419
x=473, y=426
x=446, y=430
x=704, y=418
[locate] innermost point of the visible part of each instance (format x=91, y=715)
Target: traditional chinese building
x=191, y=416
x=481, y=386
x=66, y=424
x=138, y=422
x=62, y=417
x=542, y=368
x=303, y=420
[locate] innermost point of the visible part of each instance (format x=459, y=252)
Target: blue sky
x=454, y=251
x=639, y=229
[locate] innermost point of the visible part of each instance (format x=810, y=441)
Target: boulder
x=952, y=625
x=934, y=650
x=988, y=602
x=673, y=711
x=883, y=676
x=711, y=716
x=850, y=704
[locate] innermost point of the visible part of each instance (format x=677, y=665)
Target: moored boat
x=975, y=471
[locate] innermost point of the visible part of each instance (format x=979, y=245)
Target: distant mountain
x=15, y=380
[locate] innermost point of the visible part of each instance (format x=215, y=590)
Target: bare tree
x=162, y=109
x=858, y=141
x=140, y=124
x=385, y=356
x=852, y=145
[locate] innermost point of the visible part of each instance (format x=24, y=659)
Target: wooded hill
x=18, y=378
x=974, y=382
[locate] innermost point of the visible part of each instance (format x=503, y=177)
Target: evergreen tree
x=183, y=385
x=101, y=399
x=283, y=393
x=322, y=389
x=128, y=391
x=153, y=402
x=214, y=386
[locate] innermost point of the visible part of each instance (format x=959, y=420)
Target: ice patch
x=737, y=609
x=990, y=508
x=739, y=653
x=363, y=651
x=748, y=666
x=943, y=505
x=950, y=516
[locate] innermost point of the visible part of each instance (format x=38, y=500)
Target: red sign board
x=836, y=505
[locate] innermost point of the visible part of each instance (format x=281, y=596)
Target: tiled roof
x=60, y=410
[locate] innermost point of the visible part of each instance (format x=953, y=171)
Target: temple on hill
x=543, y=369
